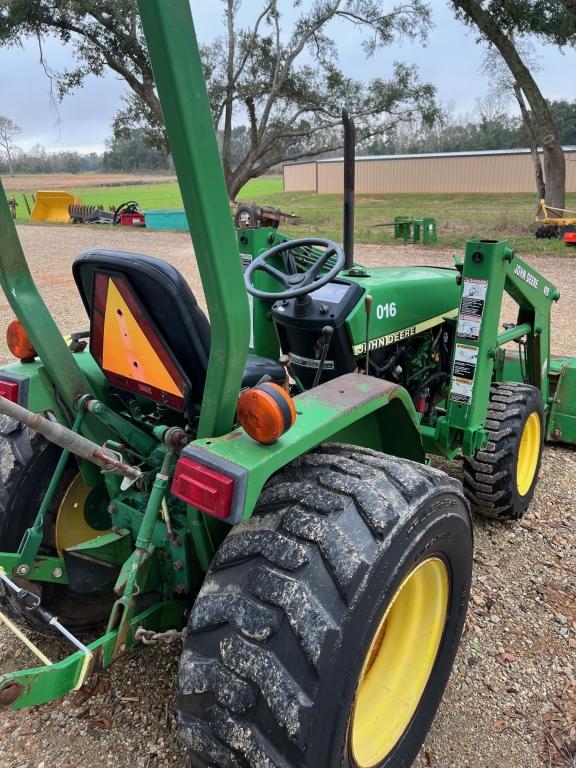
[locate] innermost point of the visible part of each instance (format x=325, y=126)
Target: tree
x=290, y=89
x=9, y=129
x=104, y=34
x=503, y=83
x=130, y=152
x=285, y=85
x=497, y=23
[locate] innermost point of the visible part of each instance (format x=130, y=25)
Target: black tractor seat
x=168, y=310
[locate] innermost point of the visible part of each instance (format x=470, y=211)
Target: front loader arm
x=490, y=270
x=534, y=296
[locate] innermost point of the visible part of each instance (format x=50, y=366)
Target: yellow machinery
x=52, y=205
x=550, y=220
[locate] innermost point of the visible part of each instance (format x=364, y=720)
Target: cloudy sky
x=451, y=60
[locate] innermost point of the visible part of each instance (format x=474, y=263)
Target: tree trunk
x=554, y=161
x=234, y=184
x=554, y=171
x=229, y=103
x=533, y=139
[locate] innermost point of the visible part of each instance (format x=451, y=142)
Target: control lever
x=324, y=343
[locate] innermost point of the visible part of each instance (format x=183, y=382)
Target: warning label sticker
x=461, y=393
x=465, y=361
x=468, y=327
x=463, y=373
x=472, y=308
x=473, y=297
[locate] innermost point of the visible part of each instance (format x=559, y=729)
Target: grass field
x=459, y=217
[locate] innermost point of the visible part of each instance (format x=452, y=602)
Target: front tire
x=355, y=566
x=501, y=479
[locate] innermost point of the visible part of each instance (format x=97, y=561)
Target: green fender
x=355, y=409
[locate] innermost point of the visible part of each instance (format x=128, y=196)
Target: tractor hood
x=405, y=301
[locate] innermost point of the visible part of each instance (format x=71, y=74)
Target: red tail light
x=10, y=390
x=203, y=488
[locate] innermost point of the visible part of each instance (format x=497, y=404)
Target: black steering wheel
x=297, y=283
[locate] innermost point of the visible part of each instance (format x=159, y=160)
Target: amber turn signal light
x=18, y=342
x=266, y=412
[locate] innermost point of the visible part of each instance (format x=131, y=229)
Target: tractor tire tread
x=300, y=523
x=490, y=474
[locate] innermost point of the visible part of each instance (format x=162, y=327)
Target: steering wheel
x=298, y=283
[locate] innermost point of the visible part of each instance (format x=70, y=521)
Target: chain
x=149, y=637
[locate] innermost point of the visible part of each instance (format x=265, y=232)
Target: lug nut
x=57, y=573
x=23, y=570
x=178, y=565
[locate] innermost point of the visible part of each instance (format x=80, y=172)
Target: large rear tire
x=22, y=489
x=327, y=626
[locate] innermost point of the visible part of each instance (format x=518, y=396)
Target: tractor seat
x=147, y=332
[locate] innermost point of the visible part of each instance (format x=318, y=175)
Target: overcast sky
x=451, y=60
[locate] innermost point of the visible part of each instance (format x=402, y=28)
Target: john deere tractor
x=259, y=484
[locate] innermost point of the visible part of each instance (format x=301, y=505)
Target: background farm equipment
x=127, y=214
x=79, y=213
x=53, y=206
x=251, y=216
x=555, y=223
x=263, y=474
x=413, y=230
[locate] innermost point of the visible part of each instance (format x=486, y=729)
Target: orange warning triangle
x=126, y=350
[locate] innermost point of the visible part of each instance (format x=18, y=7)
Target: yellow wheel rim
x=528, y=453
x=399, y=663
x=71, y=524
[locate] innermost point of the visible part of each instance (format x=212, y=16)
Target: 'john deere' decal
x=404, y=333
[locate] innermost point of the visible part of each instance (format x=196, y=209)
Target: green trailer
x=259, y=485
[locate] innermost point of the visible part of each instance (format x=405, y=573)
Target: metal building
x=507, y=170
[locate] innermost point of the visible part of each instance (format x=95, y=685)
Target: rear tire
x=22, y=488
x=500, y=480
x=294, y=604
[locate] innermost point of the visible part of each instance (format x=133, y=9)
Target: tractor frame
x=171, y=556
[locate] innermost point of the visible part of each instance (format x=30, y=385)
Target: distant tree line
x=39, y=160
x=125, y=153
x=490, y=127
x=131, y=150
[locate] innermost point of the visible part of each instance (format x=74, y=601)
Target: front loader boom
x=490, y=270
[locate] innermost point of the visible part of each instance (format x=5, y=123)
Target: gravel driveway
x=511, y=702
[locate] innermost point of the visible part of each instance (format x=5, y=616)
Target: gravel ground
x=511, y=701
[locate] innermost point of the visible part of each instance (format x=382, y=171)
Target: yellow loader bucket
x=52, y=205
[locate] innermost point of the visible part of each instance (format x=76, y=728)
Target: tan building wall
x=482, y=173
x=300, y=177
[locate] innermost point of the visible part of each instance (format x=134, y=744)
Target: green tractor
x=259, y=485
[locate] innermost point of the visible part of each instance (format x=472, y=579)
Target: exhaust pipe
x=349, y=179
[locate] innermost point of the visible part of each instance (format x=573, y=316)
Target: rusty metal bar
x=70, y=441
